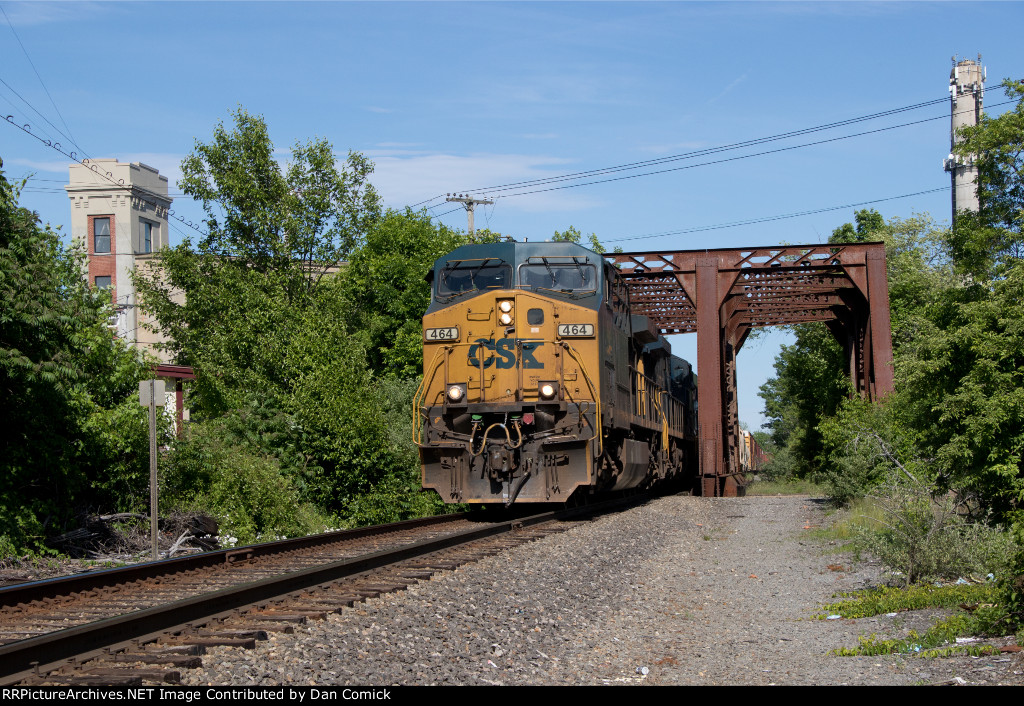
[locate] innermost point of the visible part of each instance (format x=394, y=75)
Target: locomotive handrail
x=417, y=414
x=664, y=418
x=593, y=393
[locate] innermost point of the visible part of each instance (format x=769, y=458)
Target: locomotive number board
x=441, y=334
x=575, y=330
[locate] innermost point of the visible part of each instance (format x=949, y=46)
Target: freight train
x=752, y=456
x=539, y=382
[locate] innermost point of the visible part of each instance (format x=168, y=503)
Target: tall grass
x=788, y=486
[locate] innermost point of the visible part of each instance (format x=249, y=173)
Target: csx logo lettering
x=504, y=351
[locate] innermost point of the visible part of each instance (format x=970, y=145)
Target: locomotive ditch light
x=456, y=393
x=505, y=319
x=548, y=390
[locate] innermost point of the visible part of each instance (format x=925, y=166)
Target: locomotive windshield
x=460, y=276
x=557, y=274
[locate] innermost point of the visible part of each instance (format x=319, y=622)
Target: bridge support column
x=880, y=324
x=710, y=390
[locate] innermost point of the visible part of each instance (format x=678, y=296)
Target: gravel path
x=690, y=590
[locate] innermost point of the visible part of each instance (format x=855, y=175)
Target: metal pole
x=154, y=535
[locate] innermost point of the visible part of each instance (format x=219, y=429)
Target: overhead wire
x=767, y=219
x=86, y=162
x=556, y=179
x=490, y=190
x=709, y=150
x=727, y=159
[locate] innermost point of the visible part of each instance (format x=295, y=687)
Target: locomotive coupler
x=501, y=461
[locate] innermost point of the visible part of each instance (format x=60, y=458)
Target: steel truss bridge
x=722, y=294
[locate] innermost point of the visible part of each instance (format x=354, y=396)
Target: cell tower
x=966, y=91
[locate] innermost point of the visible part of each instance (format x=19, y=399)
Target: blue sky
x=460, y=96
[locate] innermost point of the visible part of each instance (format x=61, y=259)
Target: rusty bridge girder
x=722, y=294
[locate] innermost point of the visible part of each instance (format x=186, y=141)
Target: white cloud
x=405, y=177
x=378, y=109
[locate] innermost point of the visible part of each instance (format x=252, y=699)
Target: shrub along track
x=99, y=628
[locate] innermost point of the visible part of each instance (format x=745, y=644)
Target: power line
x=86, y=162
x=732, y=159
x=767, y=219
x=711, y=150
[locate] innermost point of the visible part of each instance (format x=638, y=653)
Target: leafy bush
x=926, y=537
x=72, y=440
x=247, y=492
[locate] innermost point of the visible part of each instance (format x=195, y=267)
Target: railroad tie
x=244, y=643
x=167, y=676
x=182, y=661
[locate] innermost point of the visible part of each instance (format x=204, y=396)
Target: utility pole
x=966, y=91
x=151, y=394
x=470, y=203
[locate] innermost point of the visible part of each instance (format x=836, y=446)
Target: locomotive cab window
x=543, y=273
x=471, y=275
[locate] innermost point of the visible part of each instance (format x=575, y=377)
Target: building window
x=103, y=282
x=101, y=235
x=146, y=244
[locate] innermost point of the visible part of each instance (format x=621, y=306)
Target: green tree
x=984, y=241
x=72, y=439
x=385, y=280
x=573, y=235
x=300, y=222
x=300, y=299
x=811, y=380
x=273, y=235
x=869, y=222
x=808, y=386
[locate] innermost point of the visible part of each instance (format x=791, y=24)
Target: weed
x=887, y=599
x=955, y=650
x=933, y=642
x=929, y=645
x=788, y=486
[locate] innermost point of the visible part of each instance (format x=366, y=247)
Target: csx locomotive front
x=537, y=381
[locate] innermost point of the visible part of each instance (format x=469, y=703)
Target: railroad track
x=143, y=624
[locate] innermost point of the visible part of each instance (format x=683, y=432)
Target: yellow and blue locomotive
x=538, y=382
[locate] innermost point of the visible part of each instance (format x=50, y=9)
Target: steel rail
x=28, y=658
x=65, y=585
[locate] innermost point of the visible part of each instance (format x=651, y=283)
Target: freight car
x=538, y=382
x=752, y=456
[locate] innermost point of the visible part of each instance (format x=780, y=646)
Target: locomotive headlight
x=456, y=393
x=505, y=306
x=505, y=319
x=548, y=390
